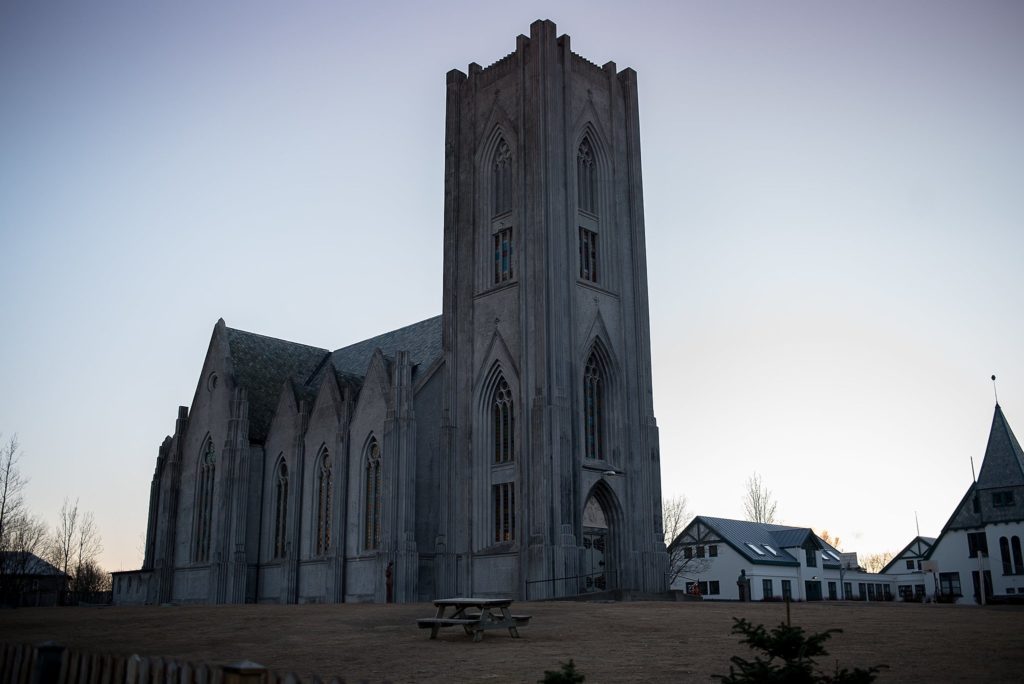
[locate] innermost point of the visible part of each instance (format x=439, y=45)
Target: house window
x=771, y=550
x=503, y=255
x=501, y=180
x=1018, y=558
x=918, y=590
x=766, y=588
x=910, y=565
x=862, y=590
x=504, y=495
x=593, y=407
x=949, y=584
x=977, y=543
x=700, y=552
x=504, y=424
x=755, y=549
x=713, y=550
x=204, y=503
x=787, y=589
x=324, y=480
x=1002, y=499
x=687, y=552
x=588, y=255
x=281, y=510
x=832, y=591
x=1004, y=553
x=847, y=590
x=371, y=523
x=812, y=559
x=713, y=588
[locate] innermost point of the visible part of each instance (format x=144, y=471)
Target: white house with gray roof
x=775, y=561
x=982, y=540
x=507, y=447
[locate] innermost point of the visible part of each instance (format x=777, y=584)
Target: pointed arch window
x=324, y=488
x=585, y=178
x=504, y=424
x=205, y=478
x=501, y=206
x=1018, y=557
x=587, y=210
x=371, y=522
x=594, y=391
x=501, y=182
x=281, y=510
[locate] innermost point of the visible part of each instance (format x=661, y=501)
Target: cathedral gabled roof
x=422, y=340
x=261, y=365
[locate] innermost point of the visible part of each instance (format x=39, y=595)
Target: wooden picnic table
x=474, y=615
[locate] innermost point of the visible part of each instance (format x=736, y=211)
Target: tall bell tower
x=550, y=477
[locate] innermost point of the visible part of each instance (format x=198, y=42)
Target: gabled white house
x=982, y=540
x=718, y=555
x=906, y=568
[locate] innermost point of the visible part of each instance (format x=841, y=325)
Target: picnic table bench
x=490, y=614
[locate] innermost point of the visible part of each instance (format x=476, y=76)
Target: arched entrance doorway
x=597, y=568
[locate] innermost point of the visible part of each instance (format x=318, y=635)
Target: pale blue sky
x=834, y=208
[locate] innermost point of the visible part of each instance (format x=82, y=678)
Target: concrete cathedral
x=506, y=447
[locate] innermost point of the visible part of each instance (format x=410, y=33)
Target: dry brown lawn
x=610, y=642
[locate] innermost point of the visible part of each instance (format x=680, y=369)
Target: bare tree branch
x=874, y=562
x=12, y=503
x=758, y=503
x=682, y=558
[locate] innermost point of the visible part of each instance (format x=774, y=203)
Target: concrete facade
x=507, y=447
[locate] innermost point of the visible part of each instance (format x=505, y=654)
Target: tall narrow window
x=503, y=255
x=588, y=255
x=501, y=182
x=585, y=177
x=504, y=424
x=204, y=503
x=504, y=512
x=593, y=408
x=1004, y=552
x=324, y=487
x=371, y=523
x=1018, y=558
x=281, y=511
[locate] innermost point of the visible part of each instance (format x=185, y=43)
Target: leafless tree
x=12, y=502
x=758, y=503
x=676, y=515
x=835, y=542
x=874, y=562
x=90, y=577
x=62, y=547
x=87, y=547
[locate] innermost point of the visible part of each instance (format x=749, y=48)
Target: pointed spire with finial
x=994, y=391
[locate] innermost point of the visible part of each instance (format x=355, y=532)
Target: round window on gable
x=211, y=384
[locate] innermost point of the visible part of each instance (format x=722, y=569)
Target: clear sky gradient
x=834, y=205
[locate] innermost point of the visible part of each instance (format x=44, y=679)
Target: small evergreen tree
x=567, y=675
x=790, y=660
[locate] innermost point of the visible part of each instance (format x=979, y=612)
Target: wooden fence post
x=48, y=659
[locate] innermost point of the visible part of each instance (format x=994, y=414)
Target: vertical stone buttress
x=168, y=527
x=232, y=509
x=296, y=480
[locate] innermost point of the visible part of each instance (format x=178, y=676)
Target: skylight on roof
x=753, y=547
x=773, y=551
x=832, y=554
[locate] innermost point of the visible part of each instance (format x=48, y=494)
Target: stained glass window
x=593, y=408
x=371, y=522
x=324, y=487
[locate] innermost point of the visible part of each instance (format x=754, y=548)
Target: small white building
x=907, y=568
x=716, y=556
x=982, y=540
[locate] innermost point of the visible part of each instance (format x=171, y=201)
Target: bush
x=790, y=660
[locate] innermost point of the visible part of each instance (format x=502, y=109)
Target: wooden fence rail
x=50, y=663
